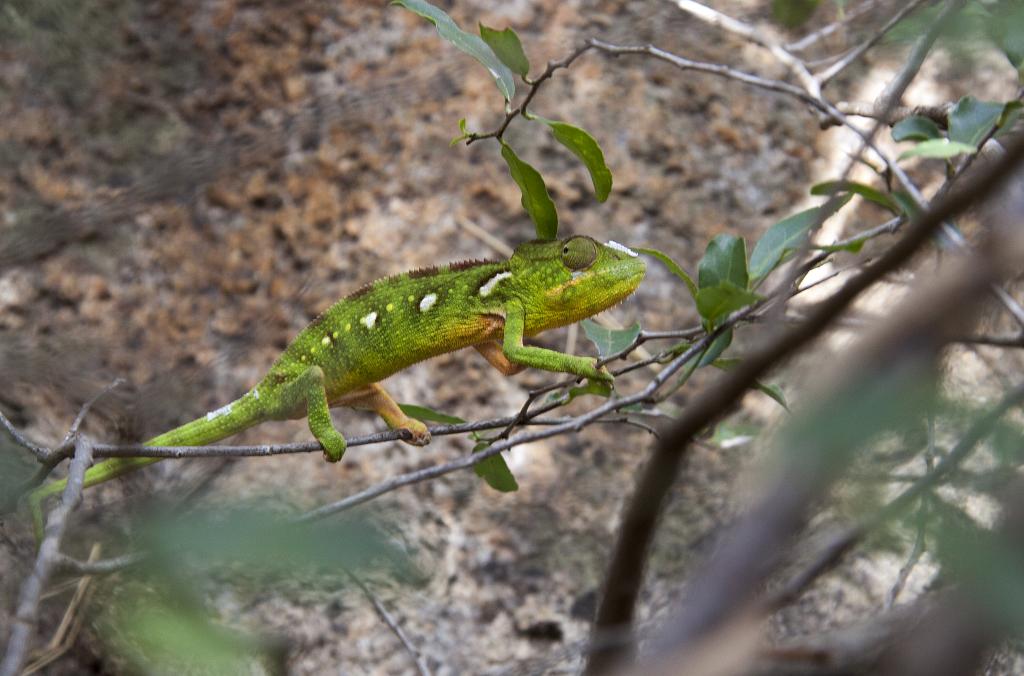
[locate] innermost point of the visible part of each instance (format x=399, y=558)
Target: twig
x=392, y=623
x=938, y=114
x=535, y=85
x=712, y=68
x=823, y=32
x=32, y=589
x=67, y=564
x=719, y=20
x=825, y=76
x=37, y=450
x=67, y=631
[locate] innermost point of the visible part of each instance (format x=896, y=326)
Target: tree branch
x=49, y=550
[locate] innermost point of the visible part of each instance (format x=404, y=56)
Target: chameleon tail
x=224, y=422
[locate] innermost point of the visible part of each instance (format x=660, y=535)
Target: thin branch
x=535, y=85
x=37, y=450
x=938, y=114
x=825, y=76
x=812, y=38
x=712, y=68
x=392, y=623
x=49, y=549
x=719, y=20
x=67, y=564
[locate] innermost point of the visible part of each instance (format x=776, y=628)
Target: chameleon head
x=563, y=281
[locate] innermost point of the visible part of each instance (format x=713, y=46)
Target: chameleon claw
x=334, y=448
x=415, y=432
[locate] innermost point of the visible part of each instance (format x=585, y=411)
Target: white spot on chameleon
x=369, y=320
x=256, y=393
x=326, y=340
x=223, y=410
x=487, y=288
x=428, y=302
x=612, y=244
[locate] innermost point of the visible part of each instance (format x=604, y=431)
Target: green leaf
x=793, y=13
x=610, y=341
x=714, y=303
x=865, y=191
x=162, y=634
x=586, y=148
x=971, y=120
x=507, y=47
x=853, y=246
x=461, y=137
x=536, y=199
x=467, y=42
x=1007, y=31
x=673, y=267
x=715, y=349
x=773, y=391
x=725, y=260
x=429, y=415
x=494, y=471
x=1011, y=113
x=786, y=236
x=907, y=204
x=939, y=148
x=729, y=434
x=915, y=128
x=598, y=388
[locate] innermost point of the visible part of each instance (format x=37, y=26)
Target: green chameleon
x=392, y=323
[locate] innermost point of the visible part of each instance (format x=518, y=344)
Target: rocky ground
x=183, y=186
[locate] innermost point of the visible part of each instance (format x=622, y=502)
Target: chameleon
x=390, y=324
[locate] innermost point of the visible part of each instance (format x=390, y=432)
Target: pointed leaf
x=1007, y=30
x=938, y=148
x=725, y=260
x=673, y=267
x=715, y=303
x=507, y=47
x=586, y=148
x=971, y=120
x=865, y=191
x=461, y=137
x=467, y=42
x=907, y=204
x=536, y=199
x=915, y=128
x=773, y=391
x=786, y=236
x=429, y=415
x=610, y=341
x=495, y=471
x=715, y=349
x=1011, y=113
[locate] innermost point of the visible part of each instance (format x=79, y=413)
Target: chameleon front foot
x=334, y=445
x=418, y=433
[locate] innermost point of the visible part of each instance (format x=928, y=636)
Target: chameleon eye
x=579, y=253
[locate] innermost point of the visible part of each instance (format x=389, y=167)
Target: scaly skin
x=395, y=322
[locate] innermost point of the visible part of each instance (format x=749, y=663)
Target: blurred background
x=184, y=185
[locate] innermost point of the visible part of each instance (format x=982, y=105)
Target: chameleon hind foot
x=375, y=398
